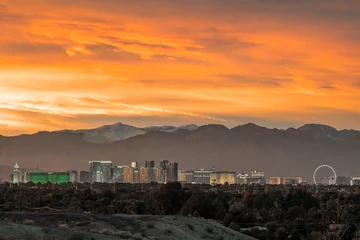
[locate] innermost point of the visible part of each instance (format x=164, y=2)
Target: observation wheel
x=332, y=179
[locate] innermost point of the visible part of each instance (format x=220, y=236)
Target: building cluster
x=37, y=176
x=258, y=178
x=203, y=176
x=166, y=171
x=106, y=172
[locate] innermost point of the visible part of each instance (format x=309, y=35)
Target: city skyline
x=167, y=171
x=87, y=63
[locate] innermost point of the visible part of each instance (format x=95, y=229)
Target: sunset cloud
x=281, y=63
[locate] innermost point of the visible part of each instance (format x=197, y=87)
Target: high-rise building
x=172, y=172
x=73, y=174
x=118, y=174
x=185, y=176
x=84, y=176
x=144, y=175
x=17, y=176
x=168, y=171
x=163, y=170
x=136, y=178
x=202, y=176
x=129, y=175
x=157, y=175
x=135, y=165
x=24, y=176
x=100, y=171
x=150, y=164
x=222, y=178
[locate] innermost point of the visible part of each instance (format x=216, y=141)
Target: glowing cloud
x=85, y=63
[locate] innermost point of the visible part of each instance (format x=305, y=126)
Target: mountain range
x=243, y=148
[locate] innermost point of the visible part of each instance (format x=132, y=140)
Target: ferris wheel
x=332, y=179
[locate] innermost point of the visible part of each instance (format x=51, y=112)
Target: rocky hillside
x=82, y=226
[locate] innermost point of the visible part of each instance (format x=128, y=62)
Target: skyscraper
x=17, y=177
x=128, y=175
x=172, y=171
x=123, y=174
x=100, y=171
x=73, y=176
x=163, y=170
x=135, y=165
x=150, y=164
x=168, y=171
x=84, y=176
x=157, y=174
x=144, y=175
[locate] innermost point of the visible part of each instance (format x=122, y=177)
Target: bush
x=209, y=229
x=169, y=232
x=77, y=236
x=150, y=226
x=190, y=226
x=235, y=227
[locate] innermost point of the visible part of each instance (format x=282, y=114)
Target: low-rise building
x=52, y=177
x=274, y=180
x=202, y=176
x=291, y=180
x=222, y=178
x=355, y=181
x=185, y=176
x=257, y=174
x=343, y=180
x=242, y=178
x=256, y=180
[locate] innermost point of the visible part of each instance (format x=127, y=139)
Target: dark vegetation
x=295, y=214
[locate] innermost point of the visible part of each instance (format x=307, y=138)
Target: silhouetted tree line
x=295, y=215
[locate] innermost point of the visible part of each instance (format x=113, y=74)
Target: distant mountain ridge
x=119, y=131
x=319, y=131
x=243, y=148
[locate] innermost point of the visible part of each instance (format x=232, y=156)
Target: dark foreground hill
x=80, y=226
x=242, y=149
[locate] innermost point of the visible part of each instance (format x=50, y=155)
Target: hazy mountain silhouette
x=120, y=131
x=241, y=149
x=326, y=132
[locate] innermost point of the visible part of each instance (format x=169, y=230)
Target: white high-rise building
x=17, y=174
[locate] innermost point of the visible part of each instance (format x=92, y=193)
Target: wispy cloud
x=145, y=60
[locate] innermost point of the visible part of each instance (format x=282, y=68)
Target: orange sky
x=85, y=63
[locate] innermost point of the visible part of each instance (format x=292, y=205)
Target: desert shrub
x=169, y=232
x=77, y=236
x=150, y=225
x=190, y=226
x=30, y=237
x=209, y=229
